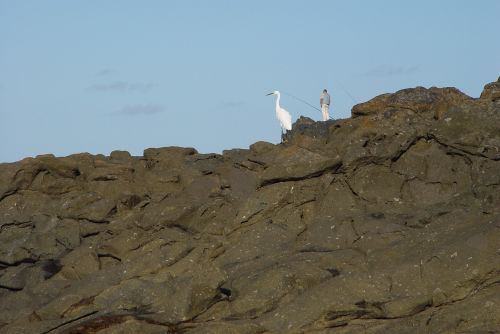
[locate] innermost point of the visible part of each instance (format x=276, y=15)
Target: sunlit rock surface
x=388, y=222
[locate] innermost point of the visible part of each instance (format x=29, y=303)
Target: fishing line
x=348, y=94
x=299, y=99
x=305, y=102
x=354, y=100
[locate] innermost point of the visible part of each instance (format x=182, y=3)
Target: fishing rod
x=299, y=99
x=310, y=105
x=305, y=102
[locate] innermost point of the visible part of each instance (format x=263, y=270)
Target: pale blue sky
x=95, y=76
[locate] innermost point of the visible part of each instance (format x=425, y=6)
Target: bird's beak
x=269, y=94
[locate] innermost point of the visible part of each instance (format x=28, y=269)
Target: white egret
x=283, y=116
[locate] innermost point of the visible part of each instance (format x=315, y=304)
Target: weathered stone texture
x=388, y=222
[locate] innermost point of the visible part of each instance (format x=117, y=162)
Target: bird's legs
x=283, y=139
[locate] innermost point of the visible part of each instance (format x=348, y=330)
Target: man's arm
x=321, y=100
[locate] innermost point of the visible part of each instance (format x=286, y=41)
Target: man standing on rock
x=324, y=101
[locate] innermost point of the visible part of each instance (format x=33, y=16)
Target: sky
x=96, y=76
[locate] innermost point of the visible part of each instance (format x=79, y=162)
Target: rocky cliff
x=388, y=222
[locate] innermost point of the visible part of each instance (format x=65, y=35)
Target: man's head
x=324, y=90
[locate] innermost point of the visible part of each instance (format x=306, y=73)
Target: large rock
x=417, y=100
x=388, y=222
x=491, y=91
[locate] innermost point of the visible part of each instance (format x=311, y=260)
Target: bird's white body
x=283, y=116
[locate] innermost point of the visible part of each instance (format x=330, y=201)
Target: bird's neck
x=278, y=100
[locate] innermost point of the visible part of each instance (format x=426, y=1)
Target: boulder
x=417, y=100
x=491, y=91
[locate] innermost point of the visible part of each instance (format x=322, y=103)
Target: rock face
x=388, y=222
x=492, y=91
